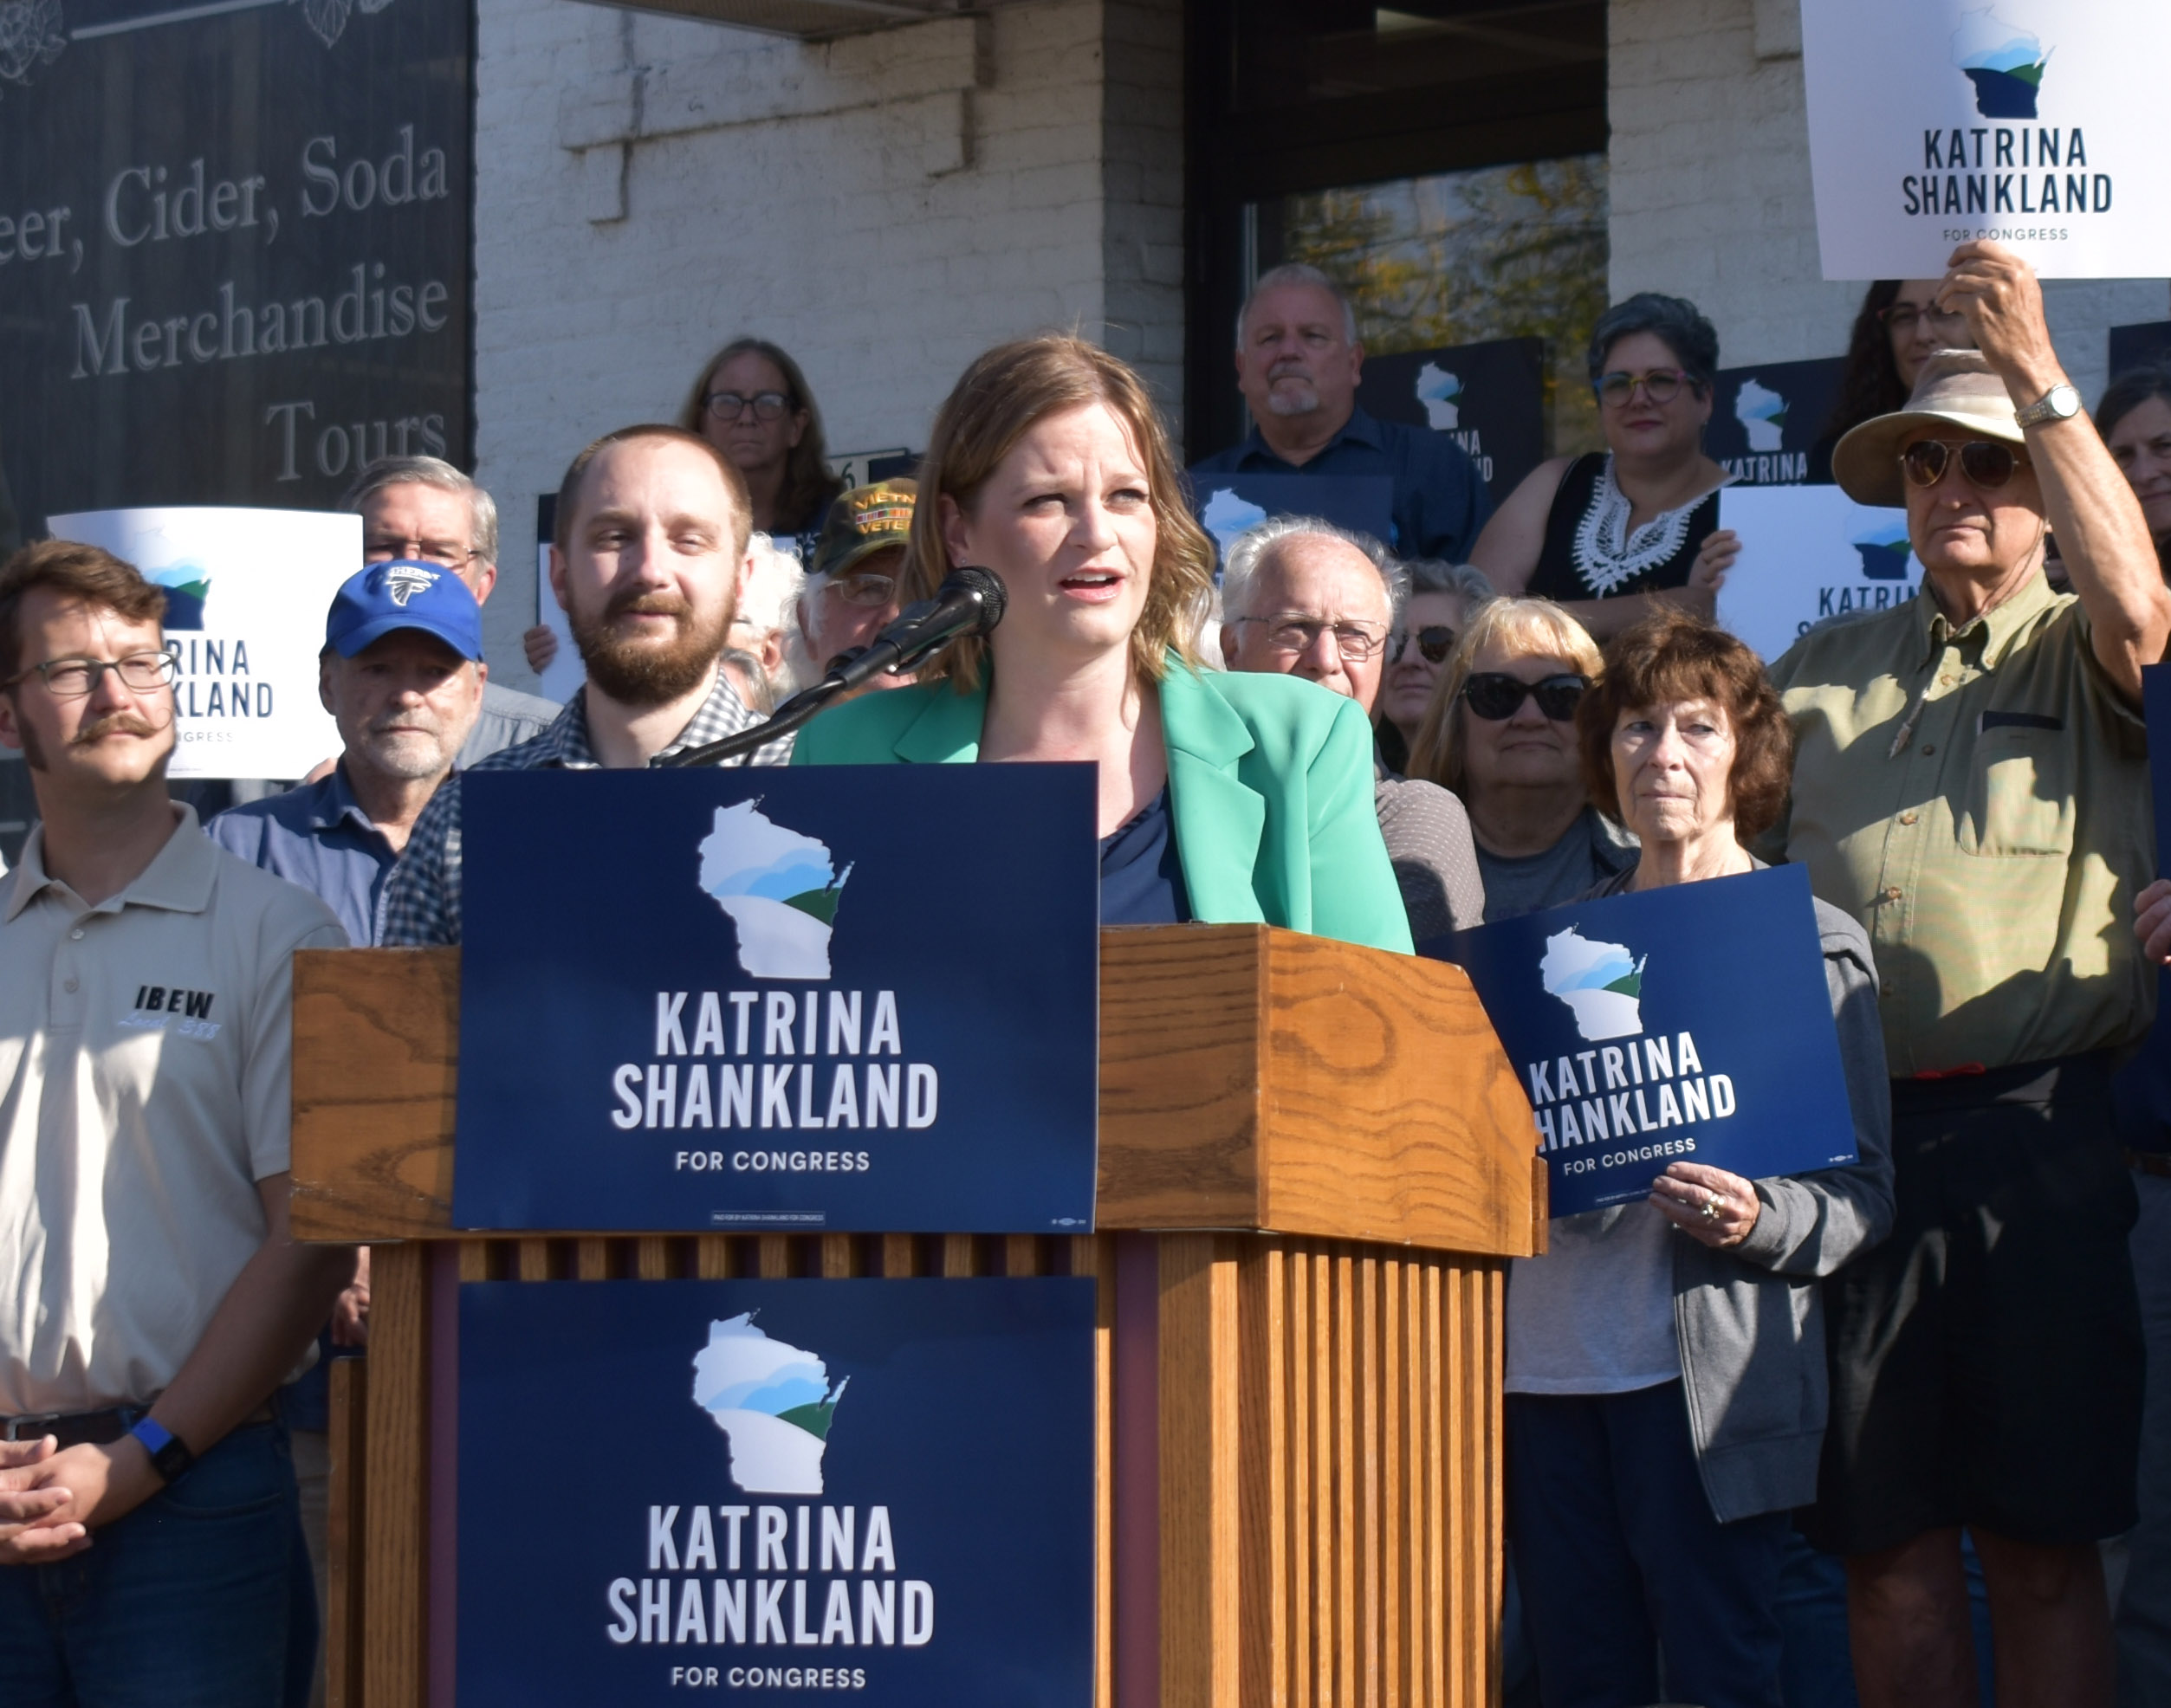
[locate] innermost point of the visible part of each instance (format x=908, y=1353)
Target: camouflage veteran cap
x=865, y=520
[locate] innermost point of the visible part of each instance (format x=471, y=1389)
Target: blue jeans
x=200, y=1598
x=1619, y=1557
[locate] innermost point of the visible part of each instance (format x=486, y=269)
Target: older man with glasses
x=850, y=594
x=421, y=509
x=1300, y=597
x=1971, y=783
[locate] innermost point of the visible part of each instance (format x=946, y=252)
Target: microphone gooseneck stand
x=970, y=602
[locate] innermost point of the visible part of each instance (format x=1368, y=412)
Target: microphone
x=970, y=602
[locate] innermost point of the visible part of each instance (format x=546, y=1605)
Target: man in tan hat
x=850, y=591
x=1971, y=783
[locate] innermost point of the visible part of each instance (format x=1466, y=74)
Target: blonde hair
x=1001, y=398
x=1521, y=628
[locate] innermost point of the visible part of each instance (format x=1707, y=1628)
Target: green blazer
x=1270, y=784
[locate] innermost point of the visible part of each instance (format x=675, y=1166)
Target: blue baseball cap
x=405, y=594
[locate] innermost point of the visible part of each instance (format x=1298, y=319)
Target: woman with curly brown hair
x=1224, y=797
x=1896, y=330
x=1666, y=1378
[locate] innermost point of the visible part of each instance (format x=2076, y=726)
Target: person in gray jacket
x=1666, y=1365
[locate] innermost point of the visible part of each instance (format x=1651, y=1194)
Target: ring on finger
x=1711, y=1207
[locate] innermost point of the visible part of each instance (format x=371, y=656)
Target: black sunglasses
x=1435, y=641
x=1984, y=463
x=1493, y=695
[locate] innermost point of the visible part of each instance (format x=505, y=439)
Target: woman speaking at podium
x=1223, y=798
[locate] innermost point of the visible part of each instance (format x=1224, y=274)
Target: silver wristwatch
x=2060, y=402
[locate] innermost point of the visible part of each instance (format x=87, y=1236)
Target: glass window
x=1510, y=251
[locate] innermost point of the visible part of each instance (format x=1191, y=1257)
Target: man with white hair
x=1301, y=596
x=1297, y=364
x=423, y=509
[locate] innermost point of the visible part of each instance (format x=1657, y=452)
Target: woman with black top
x=753, y=404
x=1642, y=516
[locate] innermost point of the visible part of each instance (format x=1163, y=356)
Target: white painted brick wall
x=1711, y=195
x=884, y=207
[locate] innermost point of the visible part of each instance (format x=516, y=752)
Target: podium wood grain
x=1250, y=1079
x=1338, y=1161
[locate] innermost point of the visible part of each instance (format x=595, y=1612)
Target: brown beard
x=642, y=673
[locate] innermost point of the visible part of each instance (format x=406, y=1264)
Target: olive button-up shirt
x=1978, y=798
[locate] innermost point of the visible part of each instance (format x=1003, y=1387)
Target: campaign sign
x=2139, y=345
x=857, y=999
x=1688, y=1024
x=876, y=1491
x=1809, y=553
x=1489, y=398
x=247, y=592
x=2155, y=690
x=1228, y=504
x=1766, y=420
x=2034, y=123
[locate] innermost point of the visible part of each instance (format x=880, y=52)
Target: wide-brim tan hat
x=1956, y=390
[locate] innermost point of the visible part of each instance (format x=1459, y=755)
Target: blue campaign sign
x=859, y=999
x=880, y=1491
x=1228, y=504
x=2155, y=690
x=1689, y=1024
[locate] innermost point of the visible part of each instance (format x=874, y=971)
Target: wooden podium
x=1314, y=1161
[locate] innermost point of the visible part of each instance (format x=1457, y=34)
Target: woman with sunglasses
x=1442, y=597
x=752, y=403
x=1642, y=516
x=1971, y=783
x=1500, y=733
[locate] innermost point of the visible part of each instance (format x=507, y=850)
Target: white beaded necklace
x=1606, y=554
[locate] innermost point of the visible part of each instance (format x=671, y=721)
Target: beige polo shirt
x=145, y=1053
x=1978, y=798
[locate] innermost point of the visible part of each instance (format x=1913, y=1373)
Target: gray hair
x=432, y=471
x=1675, y=320
x=1297, y=273
x=1466, y=581
x=1251, y=551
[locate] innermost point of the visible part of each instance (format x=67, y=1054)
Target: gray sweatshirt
x=1751, y=1319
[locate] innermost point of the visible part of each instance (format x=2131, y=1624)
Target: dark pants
x=200, y=1598
x=1619, y=1557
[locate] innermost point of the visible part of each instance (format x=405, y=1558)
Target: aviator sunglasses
x=1435, y=641
x=1984, y=463
x=1494, y=696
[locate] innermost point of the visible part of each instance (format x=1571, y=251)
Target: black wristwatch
x=170, y=1454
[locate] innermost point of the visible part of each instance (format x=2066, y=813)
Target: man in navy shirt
x=402, y=674
x=1298, y=361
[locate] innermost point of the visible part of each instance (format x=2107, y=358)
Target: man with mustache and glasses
x=1298, y=361
x=151, y=1301
x=648, y=561
x=1971, y=783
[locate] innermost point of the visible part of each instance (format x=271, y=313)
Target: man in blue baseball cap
x=402, y=672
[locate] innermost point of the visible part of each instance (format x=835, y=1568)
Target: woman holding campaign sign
x=1222, y=798
x=1641, y=517
x=1665, y=1376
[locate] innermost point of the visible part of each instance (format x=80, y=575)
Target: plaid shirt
x=420, y=906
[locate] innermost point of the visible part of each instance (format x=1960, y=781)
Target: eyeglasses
x=730, y=405
x=1494, y=696
x=1297, y=634
x=424, y=551
x=1904, y=317
x=1661, y=386
x=1435, y=641
x=1984, y=463
x=870, y=591
x=74, y=678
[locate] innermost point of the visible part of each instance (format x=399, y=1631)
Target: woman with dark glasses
x=1971, y=783
x=1500, y=733
x=1642, y=516
x=1442, y=597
